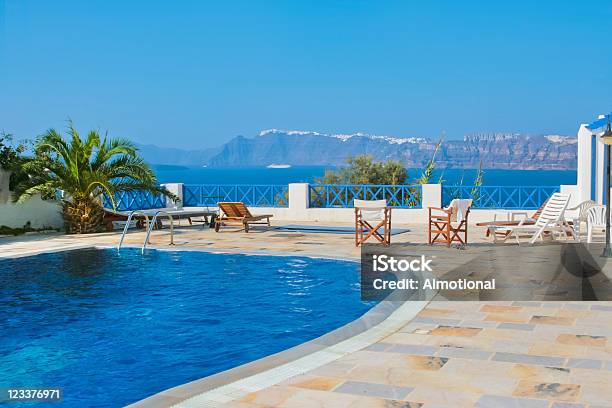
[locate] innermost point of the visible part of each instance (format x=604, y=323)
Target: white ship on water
x=278, y=166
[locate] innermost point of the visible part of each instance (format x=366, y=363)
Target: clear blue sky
x=195, y=74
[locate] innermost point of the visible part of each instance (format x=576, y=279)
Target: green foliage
x=85, y=169
x=11, y=158
x=477, y=183
x=430, y=167
x=364, y=170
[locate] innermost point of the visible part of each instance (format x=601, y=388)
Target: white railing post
x=177, y=190
x=432, y=195
x=298, y=199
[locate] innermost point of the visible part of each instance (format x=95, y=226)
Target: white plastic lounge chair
x=596, y=220
x=580, y=212
x=550, y=220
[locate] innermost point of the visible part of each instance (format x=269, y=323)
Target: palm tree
x=85, y=170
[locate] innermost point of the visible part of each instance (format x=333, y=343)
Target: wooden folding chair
x=441, y=228
x=370, y=216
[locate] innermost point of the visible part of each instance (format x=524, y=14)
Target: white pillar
x=177, y=190
x=432, y=195
x=298, y=197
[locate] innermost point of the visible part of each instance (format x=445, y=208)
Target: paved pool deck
x=449, y=354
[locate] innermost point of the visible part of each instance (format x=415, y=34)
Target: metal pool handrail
x=127, y=225
x=146, y=241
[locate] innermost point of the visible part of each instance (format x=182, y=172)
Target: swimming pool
x=112, y=328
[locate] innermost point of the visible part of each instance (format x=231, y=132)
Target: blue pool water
x=112, y=328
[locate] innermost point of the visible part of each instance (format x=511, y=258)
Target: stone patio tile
x=527, y=304
x=367, y=358
x=322, y=399
x=566, y=405
x=582, y=340
x=412, y=327
x=488, y=308
x=580, y=314
x=438, y=396
x=436, y=312
x=465, y=369
x=373, y=389
x=425, y=362
x=597, y=353
x=458, y=352
x=507, y=318
x=496, y=401
x=596, y=394
x=313, y=382
x=541, y=373
x=455, y=331
x=529, y=359
x=476, y=342
x=411, y=338
x=416, y=350
x=479, y=324
x=554, y=320
x=556, y=349
x=512, y=346
x=397, y=375
x=436, y=320
x=336, y=369
x=379, y=347
x=602, y=308
x=576, y=306
x=584, y=363
x=516, y=326
x=552, y=304
x=272, y=396
x=555, y=391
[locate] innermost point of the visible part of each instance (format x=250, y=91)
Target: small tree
x=85, y=170
x=11, y=158
x=364, y=170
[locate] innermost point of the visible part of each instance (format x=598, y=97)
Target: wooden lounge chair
x=441, y=228
x=550, y=220
x=370, y=216
x=236, y=213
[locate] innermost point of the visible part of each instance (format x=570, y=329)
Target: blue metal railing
x=135, y=200
x=270, y=195
x=342, y=196
x=339, y=196
x=502, y=197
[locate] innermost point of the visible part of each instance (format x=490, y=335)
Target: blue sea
x=263, y=175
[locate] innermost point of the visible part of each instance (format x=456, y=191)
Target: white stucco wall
x=38, y=212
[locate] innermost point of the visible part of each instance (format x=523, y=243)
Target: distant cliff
x=499, y=150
